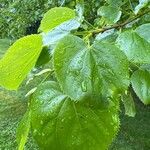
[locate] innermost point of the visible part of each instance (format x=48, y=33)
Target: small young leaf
x=141, y=84
x=136, y=48
x=82, y=71
x=19, y=60
x=129, y=105
x=111, y=14
x=58, y=123
x=23, y=130
x=55, y=17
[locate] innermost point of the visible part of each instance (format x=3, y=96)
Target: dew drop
x=84, y=86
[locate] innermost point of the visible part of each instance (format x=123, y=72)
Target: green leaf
x=111, y=14
x=141, y=84
x=58, y=123
x=23, y=130
x=19, y=60
x=55, y=17
x=144, y=31
x=142, y=3
x=83, y=70
x=129, y=105
x=44, y=57
x=134, y=46
x=51, y=38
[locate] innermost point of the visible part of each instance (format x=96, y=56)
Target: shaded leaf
x=44, y=57
x=136, y=48
x=141, y=84
x=23, y=130
x=111, y=14
x=129, y=105
x=83, y=70
x=58, y=123
x=144, y=31
x=19, y=60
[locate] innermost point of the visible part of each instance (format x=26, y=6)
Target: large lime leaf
x=141, y=84
x=58, y=123
x=83, y=70
x=19, y=60
x=111, y=14
x=23, y=130
x=55, y=17
x=144, y=31
x=136, y=48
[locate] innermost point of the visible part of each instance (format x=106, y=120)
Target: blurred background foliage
x=22, y=17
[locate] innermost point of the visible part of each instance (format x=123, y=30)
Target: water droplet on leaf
x=84, y=86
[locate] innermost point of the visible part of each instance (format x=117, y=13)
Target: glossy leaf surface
x=136, y=48
x=83, y=70
x=141, y=84
x=58, y=123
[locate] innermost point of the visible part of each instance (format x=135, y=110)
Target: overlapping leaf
x=135, y=44
x=144, y=31
x=111, y=14
x=55, y=17
x=141, y=84
x=58, y=123
x=83, y=70
x=142, y=4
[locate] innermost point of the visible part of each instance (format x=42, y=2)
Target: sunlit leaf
x=19, y=60
x=55, y=17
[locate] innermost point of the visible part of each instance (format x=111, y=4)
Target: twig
x=115, y=26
